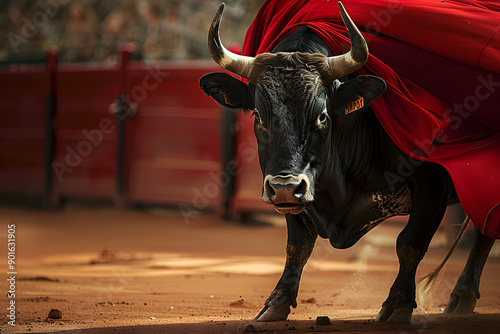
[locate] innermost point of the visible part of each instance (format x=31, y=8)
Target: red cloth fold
x=441, y=62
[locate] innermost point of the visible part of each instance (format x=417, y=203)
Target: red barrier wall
x=85, y=133
x=172, y=144
x=23, y=94
x=168, y=152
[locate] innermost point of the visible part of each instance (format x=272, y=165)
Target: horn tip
x=343, y=14
x=218, y=14
x=221, y=8
x=217, y=18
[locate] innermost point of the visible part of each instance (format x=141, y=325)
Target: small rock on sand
x=55, y=314
x=323, y=321
x=311, y=300
x=249, y=329
x=240, y=303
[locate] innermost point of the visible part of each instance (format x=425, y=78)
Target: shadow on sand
x=432, y=324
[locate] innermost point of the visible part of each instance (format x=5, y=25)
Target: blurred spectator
x=122, y=26
x=152, y=46
x=15, y=23
x=134, y=26
x=164, y=38
x=175, y=32
x=80, y=34
x=19, y=34
x=112, y=30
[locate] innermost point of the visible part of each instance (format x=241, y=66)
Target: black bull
x=325, y=162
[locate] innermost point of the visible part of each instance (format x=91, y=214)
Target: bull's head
x=295, y=97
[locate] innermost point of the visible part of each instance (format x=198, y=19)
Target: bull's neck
x=359, y=155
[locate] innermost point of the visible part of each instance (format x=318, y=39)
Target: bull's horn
x=353, y=60
x=234, y=63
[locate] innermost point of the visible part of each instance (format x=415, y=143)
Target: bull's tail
x=430, y=281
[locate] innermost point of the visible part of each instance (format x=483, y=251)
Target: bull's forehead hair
x=292, y=79
x=315, y=63
x=289, y=89
x=294, y=89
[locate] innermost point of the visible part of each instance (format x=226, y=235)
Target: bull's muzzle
x=288, y=194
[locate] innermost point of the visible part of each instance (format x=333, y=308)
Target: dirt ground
x=148, y=271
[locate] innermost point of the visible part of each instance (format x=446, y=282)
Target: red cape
x=441, y=63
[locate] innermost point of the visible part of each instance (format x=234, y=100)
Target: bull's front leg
x=301, y=238
x=430, y=196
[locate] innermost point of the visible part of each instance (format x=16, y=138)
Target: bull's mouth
x=293, y=208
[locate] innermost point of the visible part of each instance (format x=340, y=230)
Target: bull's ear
x=227, y=90
x=358, y=93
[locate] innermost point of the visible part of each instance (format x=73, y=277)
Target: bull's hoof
x=461, y=303
x=390, y=314
x=273, y=313
x=384, y=314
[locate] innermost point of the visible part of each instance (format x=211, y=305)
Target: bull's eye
x=322, y=119
x=257, y=116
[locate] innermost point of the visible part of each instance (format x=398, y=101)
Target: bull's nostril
x=270, y=191
x=301, y=189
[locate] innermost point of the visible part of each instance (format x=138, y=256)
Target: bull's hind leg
x=301, y=238
x=430, y=195
x=466, y=291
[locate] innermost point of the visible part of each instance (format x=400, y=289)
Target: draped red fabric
x=441, y=62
